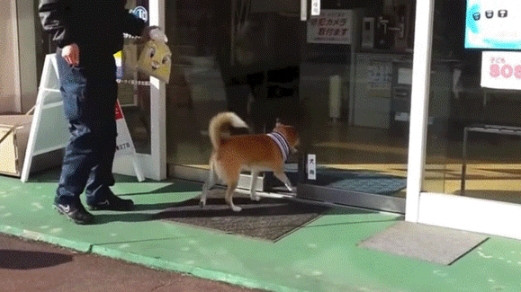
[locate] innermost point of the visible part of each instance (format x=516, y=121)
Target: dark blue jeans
x=89, y=94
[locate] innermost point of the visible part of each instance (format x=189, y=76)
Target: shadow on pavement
x=27, y=260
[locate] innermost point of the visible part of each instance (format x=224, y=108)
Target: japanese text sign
x=330, y=27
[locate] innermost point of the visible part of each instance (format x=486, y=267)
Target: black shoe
x=113, y=202
x=76, y=212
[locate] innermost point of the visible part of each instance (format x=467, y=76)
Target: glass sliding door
x=235, y=55
x=355, y=100
x=259, y=59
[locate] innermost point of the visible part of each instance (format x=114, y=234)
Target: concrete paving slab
x=430, y=243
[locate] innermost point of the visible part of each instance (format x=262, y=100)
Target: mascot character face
x=156, y=60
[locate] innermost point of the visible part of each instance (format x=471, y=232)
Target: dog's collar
x=281, y=141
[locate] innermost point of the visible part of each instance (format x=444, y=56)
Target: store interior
x=350, y=101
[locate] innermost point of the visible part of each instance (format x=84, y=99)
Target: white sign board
x=493, y=24
x=501, y=70
x=332, y=26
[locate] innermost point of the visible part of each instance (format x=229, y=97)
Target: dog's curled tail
x=221, y=122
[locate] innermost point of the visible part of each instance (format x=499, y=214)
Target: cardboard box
x=13, y=146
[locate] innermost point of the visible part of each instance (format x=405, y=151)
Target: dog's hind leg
x=207, y=186
x=253, y=187
x=229, y=196
x=284, y=179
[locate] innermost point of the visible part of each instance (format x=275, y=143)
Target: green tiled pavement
x=322, y=256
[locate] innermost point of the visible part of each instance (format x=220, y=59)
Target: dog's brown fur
x=233, y=154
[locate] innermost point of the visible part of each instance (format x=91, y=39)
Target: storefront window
x=196, y=31
x=239, y=56
x=262, y=61
x=459, y=103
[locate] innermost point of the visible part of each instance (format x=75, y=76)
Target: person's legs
x=89, y=93
x=101, y=177
x=79, y=154
x=102, y=96
x=98, y=193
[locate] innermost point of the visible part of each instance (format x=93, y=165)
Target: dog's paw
x=236, y=208
x=202, y=203
x=254, y=196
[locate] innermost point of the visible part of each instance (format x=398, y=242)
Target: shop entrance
x=269, y=60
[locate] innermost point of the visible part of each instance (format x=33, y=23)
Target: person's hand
x=71, y=54
x=154, y=33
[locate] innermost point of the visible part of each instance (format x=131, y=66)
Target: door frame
x=154, y=165
x=351, y=198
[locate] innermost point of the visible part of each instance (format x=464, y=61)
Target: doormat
x=268, y=219
x=362, y=181
x=429, y=243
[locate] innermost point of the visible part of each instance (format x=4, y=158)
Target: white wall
x=9, y=68
x=27, y=45
x=471, y=214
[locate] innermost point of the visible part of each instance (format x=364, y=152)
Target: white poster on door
x=379, y=75
x=501, y=70
x=332, y=26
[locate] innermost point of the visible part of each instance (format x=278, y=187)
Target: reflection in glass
x=256, y=60
x=227, y=55
x=493, y=169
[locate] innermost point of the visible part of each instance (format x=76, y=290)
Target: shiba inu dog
x=254, y=152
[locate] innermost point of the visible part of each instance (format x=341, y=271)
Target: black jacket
x=96, y=26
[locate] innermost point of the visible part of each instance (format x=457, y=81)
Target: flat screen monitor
x=493, y=24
